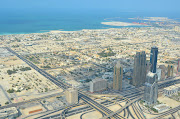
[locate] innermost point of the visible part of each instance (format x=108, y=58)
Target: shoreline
x=56, y=31
x=126, y=24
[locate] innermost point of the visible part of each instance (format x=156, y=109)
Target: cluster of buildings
x=171, y=90
x=8, y=113
x=177, y=28
x=144, y=73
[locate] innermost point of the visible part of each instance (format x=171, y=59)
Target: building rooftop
x=150, y=74
x=172, y=87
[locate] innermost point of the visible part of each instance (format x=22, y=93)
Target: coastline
x=121, y=24
x=61, y=30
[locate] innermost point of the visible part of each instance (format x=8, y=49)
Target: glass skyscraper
x=153, y=59
x=118, y=76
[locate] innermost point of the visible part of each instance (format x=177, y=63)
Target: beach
x=120, y=24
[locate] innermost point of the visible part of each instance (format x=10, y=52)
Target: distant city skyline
x=129, y=5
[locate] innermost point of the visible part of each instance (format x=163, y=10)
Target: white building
x=108, y=75
x=98, y=85
x=151, y=89
x=171, y=90
x=8, y=113
x=177, y=28
x=161, y=108
x=158, y=72
x=71, y=96
x=110, y=84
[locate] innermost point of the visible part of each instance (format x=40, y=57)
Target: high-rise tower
x=178, y=67
x=153, y=59
x=151, y=88
x=170, y=70
x=139, y=72
x=118, y=76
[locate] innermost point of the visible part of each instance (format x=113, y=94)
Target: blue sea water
x=24, y=21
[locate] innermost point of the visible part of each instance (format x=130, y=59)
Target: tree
x=10, y=91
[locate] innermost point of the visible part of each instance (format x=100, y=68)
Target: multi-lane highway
x=168, y=112
x=31, y=100
x=102, y=109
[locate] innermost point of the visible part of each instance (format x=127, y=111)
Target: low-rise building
x=177, y=28
x=108, y=75
x=171, y=90
x=97, y=85
x=8, y=113
x=161, y=108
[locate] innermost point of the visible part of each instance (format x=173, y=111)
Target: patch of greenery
x=108, y=53
x=25, y=69
x=11, y=91
x=12, y=71
x=18, y=91
x=88, y=80
x=153, y=109
x=15, y=46
x=120, y=38
x=46, y=67
x=141, y=101
x=46, y=89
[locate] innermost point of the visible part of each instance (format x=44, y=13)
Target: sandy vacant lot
x=170, y=102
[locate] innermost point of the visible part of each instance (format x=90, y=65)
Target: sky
x=124, y=5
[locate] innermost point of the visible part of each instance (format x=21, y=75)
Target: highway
x=121, y=109
x=64, y=86
x=32, y=100
x=102, y=109
x=168, y=112
x=74, y=111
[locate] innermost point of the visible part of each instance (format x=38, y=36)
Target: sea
x=25, y=21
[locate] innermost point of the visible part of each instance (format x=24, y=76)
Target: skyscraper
x=118, y=76
x=151, y=88
x=139, y=72
x=178, y=67
x=153, y=59
x=170, y=70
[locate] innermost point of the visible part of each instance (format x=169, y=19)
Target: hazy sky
x=125, y=5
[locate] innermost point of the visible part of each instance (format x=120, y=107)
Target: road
x=32, y=100
x=74, y=111
x=102, y=109
x=168, y=112
x=122, y=108
x=5, y=93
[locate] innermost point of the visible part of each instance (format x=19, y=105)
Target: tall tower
x=153, y=59
x=170, y=70
x=139, y=72
x=118, y=76
x=151, y=88
x=178, y=67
